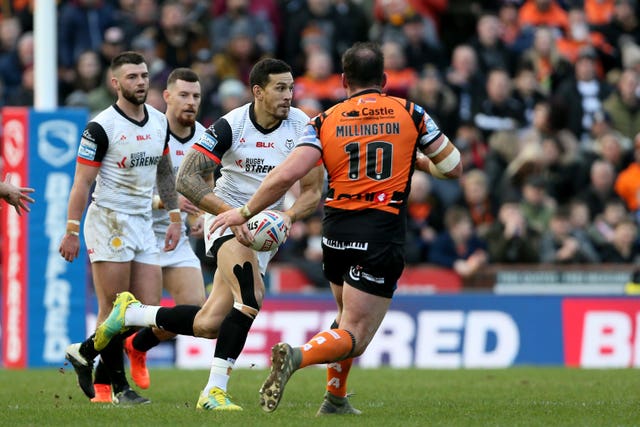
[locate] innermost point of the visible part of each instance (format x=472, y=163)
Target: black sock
x=113, y=358
x=145, y=339
x=233, y=334
x=102, y=375
x=178, y=319
x=87, y=350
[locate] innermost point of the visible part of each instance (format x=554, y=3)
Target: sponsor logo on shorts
x=116, y=243
x=337, y=244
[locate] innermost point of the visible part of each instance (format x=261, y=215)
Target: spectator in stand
x=627, y=184
x=510, y=239
x=14, y=64
x=113, y=44
x=560, y=169
x=310, y=106
x=602, y=228
x=320, y=20
x=612, y=147
x=580, y=36
x=237, y=60
x=10, y=30
x=549, y=66
x=158, y=69
x=137, y=17
x=237, y=13
x=103, y=96
x=490, y=50
x=176, y=41
x=623, y=105
x=458, y=247
x=268, y=8
x=400, y=77
x=580, y=220
x=543, y=13
x=393, y=15
x=475, y=199
x=23, y=95
x=81, y=26
x=417, y=50
x=499, y=111
x=473, y=149
x=319, y=81
x=582, y=94
x=624, y=26
x=527, y=90
x=89, y=73
x=503, y=149
x=536, y=204
x=464, y=77
x=512, y=35
x=599, y=12
x=431, y=9
x=623, y=247
x=442, y=104
x=600, y=188
x=425, y=216
x=560, y=245
x=197, y=14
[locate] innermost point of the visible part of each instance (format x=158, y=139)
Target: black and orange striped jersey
x=368, y=145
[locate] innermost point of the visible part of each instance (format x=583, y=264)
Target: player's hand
x=242, y=233
x=69, y=247
x=16, y=196
x=172, y=237
x=196, y=229
x=186, y=206
x=227, y=219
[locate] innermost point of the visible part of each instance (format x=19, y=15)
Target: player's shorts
x=263, y=257
x=373, y=268
x=119, y=237
x=181, y=256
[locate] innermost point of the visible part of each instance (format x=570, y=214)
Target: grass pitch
x=387, y=397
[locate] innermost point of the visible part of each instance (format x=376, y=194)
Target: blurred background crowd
x=542, y=98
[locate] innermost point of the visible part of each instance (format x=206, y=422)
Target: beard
x=186, y=120
x=134, y=98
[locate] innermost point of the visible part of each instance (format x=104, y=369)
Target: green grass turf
x=387, y=397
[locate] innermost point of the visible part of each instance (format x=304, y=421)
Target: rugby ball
x=268, y=230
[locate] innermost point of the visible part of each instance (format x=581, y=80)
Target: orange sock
x=327, y=346
x=337, y=373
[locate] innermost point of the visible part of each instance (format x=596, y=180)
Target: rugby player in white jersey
x=181, y=273
x=247, y=143
x=124, y=150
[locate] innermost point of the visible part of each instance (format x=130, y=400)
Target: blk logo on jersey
x=261, y=144
x=146, y=137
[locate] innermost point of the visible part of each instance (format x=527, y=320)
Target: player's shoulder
x=155, y=114
x=109, y=114
x=237, y=114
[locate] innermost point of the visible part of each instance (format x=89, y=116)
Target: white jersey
x=127, y=153
x=178, y=147
x=247, y=152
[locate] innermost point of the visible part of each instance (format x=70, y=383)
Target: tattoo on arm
x=165, y=182
x=195, y=170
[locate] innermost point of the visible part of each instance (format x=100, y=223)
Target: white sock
x=219, y=374
x=141, y=315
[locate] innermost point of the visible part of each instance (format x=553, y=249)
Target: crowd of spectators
x=542, y=98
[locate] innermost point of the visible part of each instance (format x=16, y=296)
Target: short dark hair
x=363, y=64
x=260, y=72
x=185, y=74
x=128, y=57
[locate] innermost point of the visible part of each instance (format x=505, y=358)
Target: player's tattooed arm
x=194, y=182
x=165, y=182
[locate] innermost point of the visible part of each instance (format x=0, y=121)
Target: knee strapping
x=244, y=274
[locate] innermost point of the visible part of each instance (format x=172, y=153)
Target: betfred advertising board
x=43, y=295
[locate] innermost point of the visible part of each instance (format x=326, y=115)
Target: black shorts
x=373, y=268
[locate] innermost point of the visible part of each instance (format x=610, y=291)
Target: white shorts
x=119, y=237
x=181, y=256
x=263, y=257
